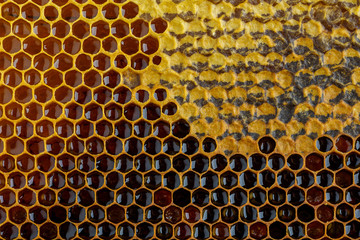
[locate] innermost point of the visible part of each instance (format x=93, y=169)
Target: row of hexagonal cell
x=71, y=45
x=70, y=12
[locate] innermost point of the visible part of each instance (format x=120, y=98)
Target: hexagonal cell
x=21, y=61
x=209, y=180
x=267, y=213
x=30, y=12
x=130, y=45
x=89, y=11
x=5, y=94
x=10, y=11
x=32, y=45
x=24, y=129
x=325, y=213
x=72, y=45
x=91, y=45
x=276, y=196
x=5, y=61
x=130, y=10
x=258, y=230
x=120, y=29
x=42, y=62
x=344, y=178
x=353, y=160
x=143, y=197
x=149, y=45
x=286, y=178
x=266, y=144
x=70, y=13
x=266, y=178
x=334, y=161
x=51, y=13
x=13, y=111
x=23, y=94
x=159, y=25
x=139, y=28
x=100, y=29
x=53, y=78
x=314, y=162
x=33, y=111
x=110, y=11
x=139, y=62
x=324, y=144
x=306, y=213
x=41, y=29
x=102, y=62
x=81, y=29
x=181, y=197
x=63, y=62
x=344, y=143
x=60, y=29
x=63, y=94
x=11, y=44
x=4, y=27
x=42, y=94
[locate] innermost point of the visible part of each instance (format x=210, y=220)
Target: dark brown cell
x=314, y=162
x=26, y=197
x=140, y=28
x=7, y=198
x=122, y=95
x=344, y=143
x=42, y=62
x=142, y=128
x=130, y=10
x=53, y=78
x=6, y=128
x=64, y=128
x=81, y=29
x=73, y=111
x=132, y=112
x=10, y=11
x=76, y=179
x=156, y=60
x=173, y=214
x=120, y=61
x=102, y=95
x=9, y=231
x=16, y=180
x=162, y=197
x=23, y=94
x=120, y=29
x=158, y=25
x=220, y=231
x=30, y=12
x=123, y=129
x=63, y=62
x=65, y=162
x=47, y=197
x=25, y=162
x=325, y=213
x=5, y=94
x=149, y=45
x=60, y=29
x=315, y=230
x=51, y=13
x=92, y=78
x=169, y=109
x=5, y=61
x=130, y=45
x=151, y=111
x=48, y=231
x=258, y=230
x=33, y=111
x=82, y=95
x=343, y=178
x=17, y=215
x=115, y=213
x=13, y=111
x=110, y=11
x=41, y=29
x=142, y=95
x=94, y=145
x=89, y=11
x=63, y=94
x=109, y=44
x=21, y=61
x=100, y=29
x=4, y=28
x=70, y=13
x=28, y=231
x=139, y=62
x=83, y=62
x=11, y=44
x=7, y=163
x=14, y=146
x=72, y=45
x=93, y=112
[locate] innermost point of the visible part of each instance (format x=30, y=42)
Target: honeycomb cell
x=248, y=179
x=110, y=11
x=129, y=45
x=70, y=13
x=11, y=44
x=10, y=11
x=344, y=143
x=9, y=231
x=324, y=144
x=129, y=10
x=120, y=29
x=51, y=13
x=5, y=61
x=315, y=230
x=80, y=29
x=159, y=25
x=314, y=162
x=28, y=231
x=30, y=12
x=120, y=61
x=60, y=29
x=42, y=29
x=21, y=61
x=89, y=11
x=149, y=45
x=139, y=62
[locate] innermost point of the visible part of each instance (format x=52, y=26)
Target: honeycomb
x=179, y=119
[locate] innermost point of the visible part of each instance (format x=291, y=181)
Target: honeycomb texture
x=179, y=119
